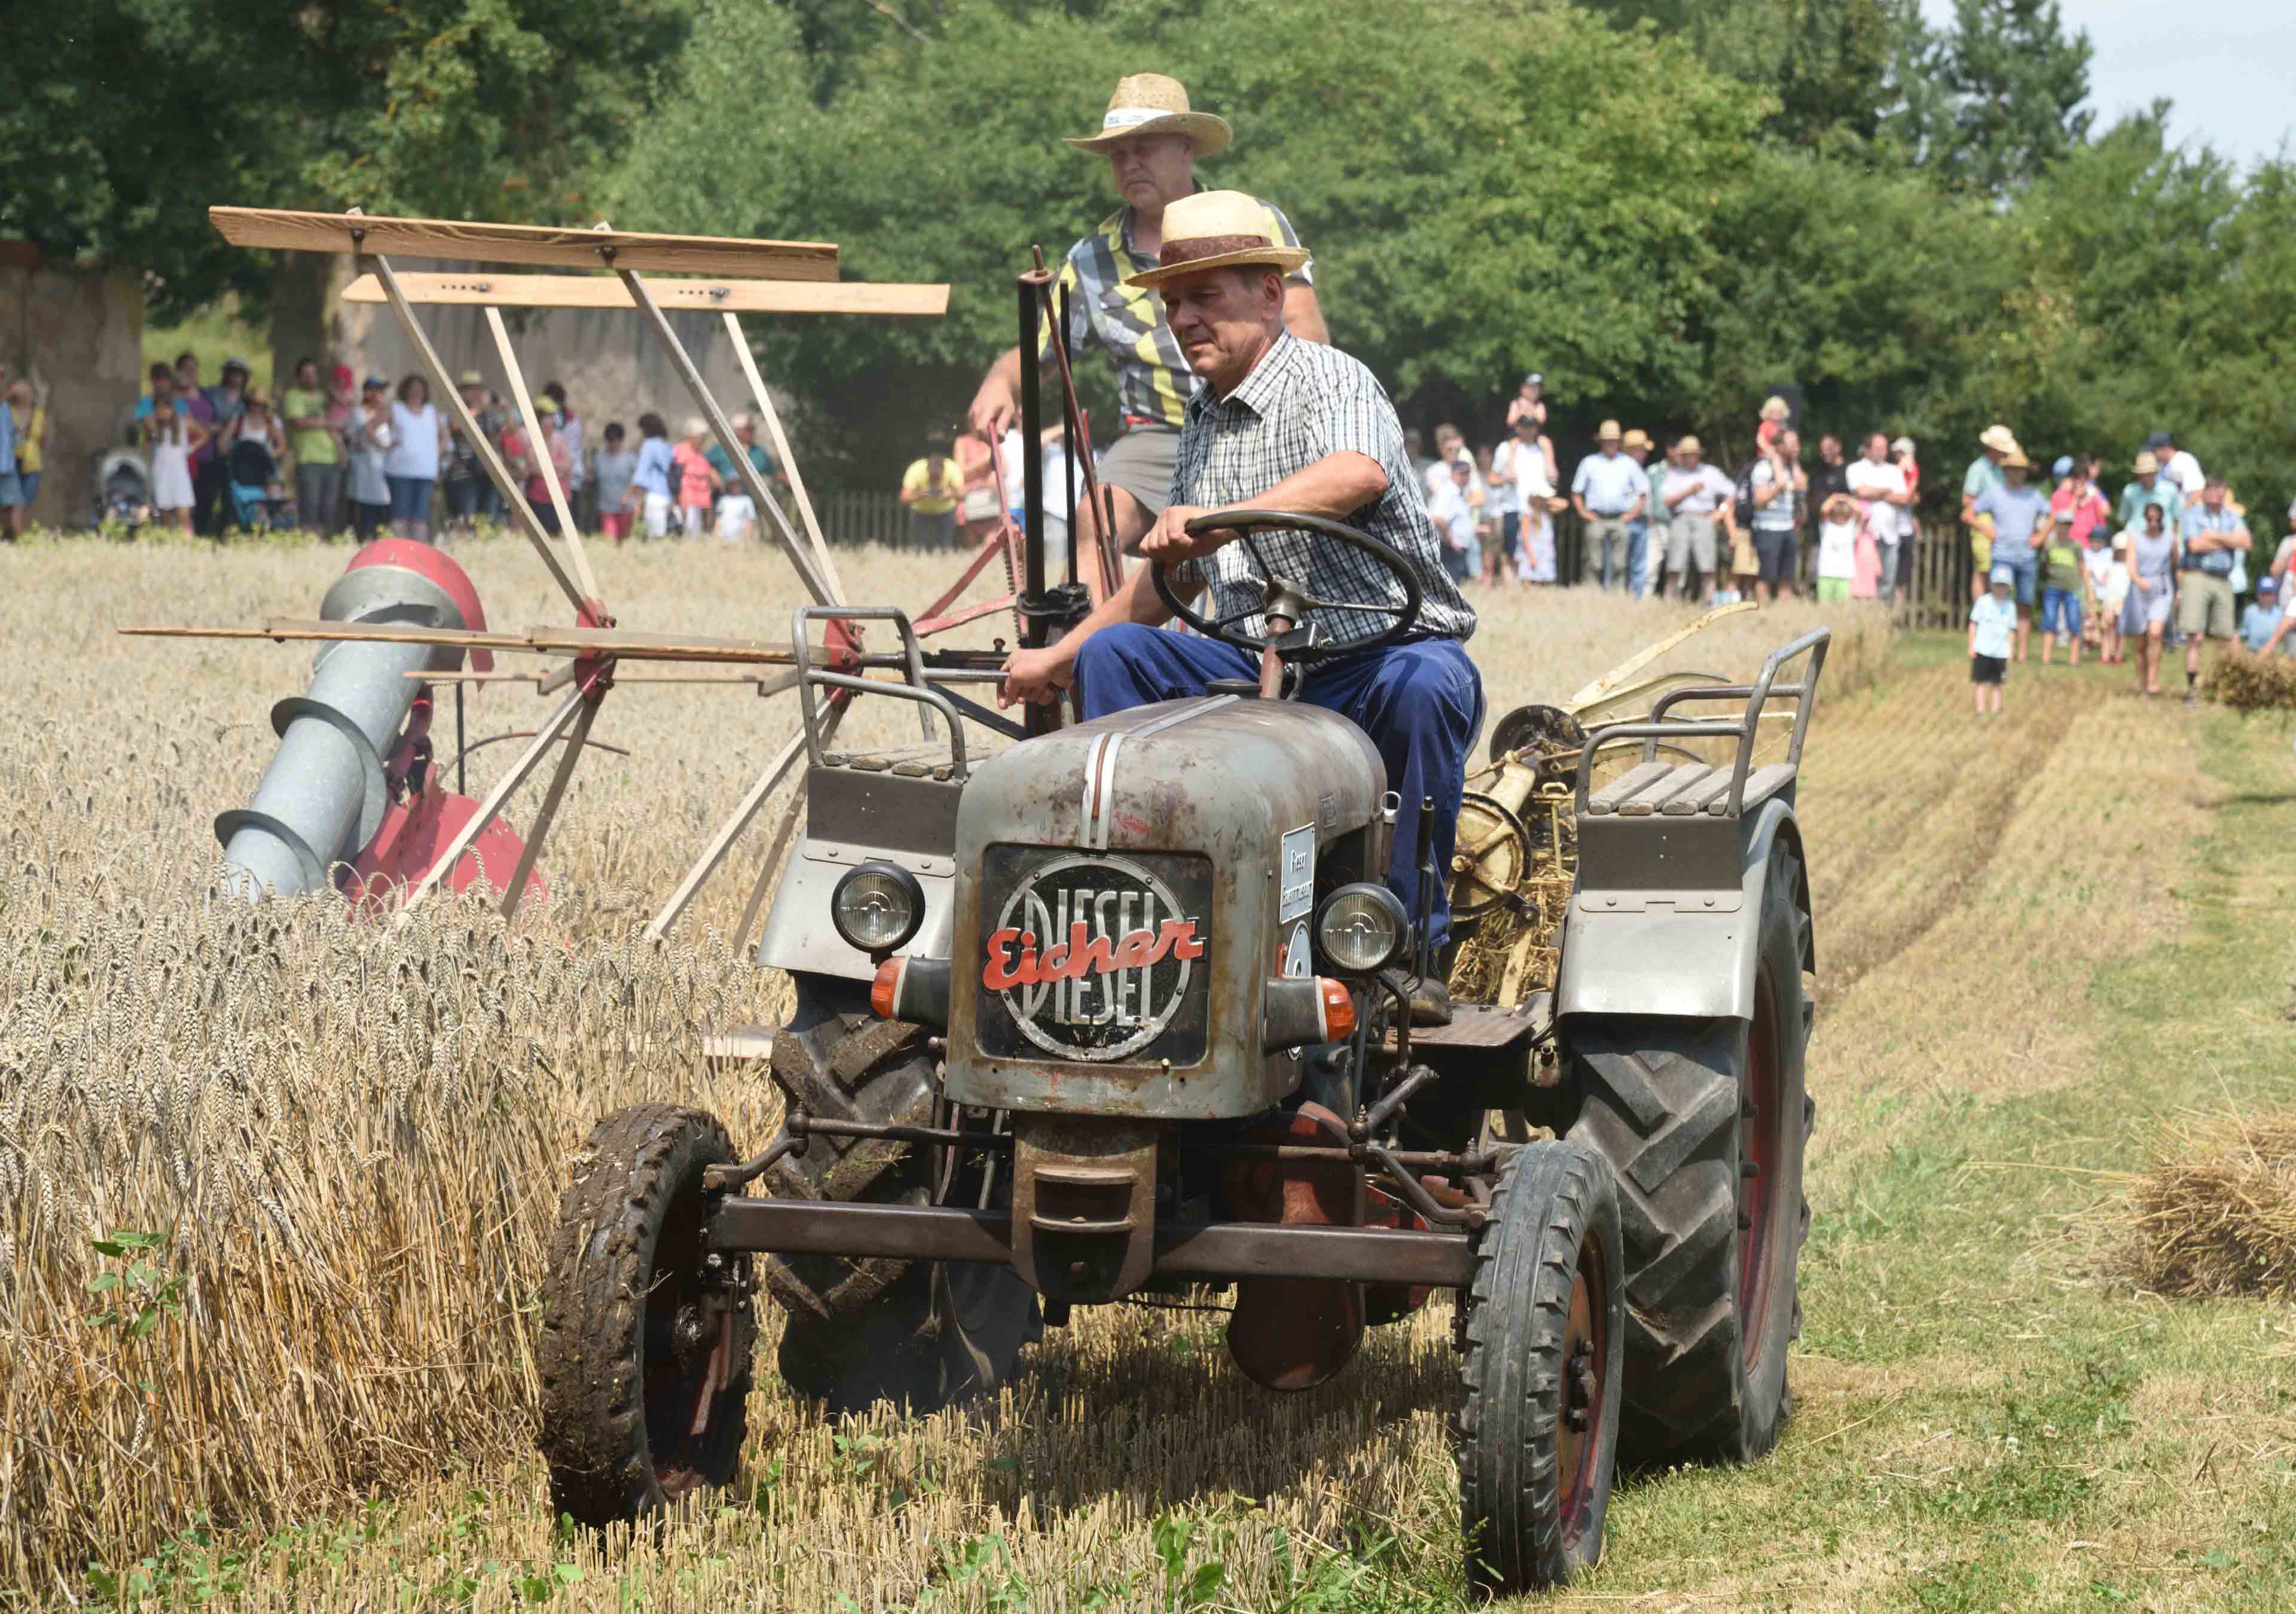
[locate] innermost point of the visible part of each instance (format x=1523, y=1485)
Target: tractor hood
x=1130, y=884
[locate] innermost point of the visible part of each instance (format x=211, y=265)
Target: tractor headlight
x=1362, y=928
x=877, y=907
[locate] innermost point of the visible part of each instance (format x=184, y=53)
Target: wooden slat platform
x=1682, y=788
x=1625, y=786
x=543, y=244
x=607, y=291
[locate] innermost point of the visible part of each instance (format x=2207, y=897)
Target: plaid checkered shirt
x=1154, y=382
x=1302, y=402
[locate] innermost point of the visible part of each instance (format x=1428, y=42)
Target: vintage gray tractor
x=1122, y=1010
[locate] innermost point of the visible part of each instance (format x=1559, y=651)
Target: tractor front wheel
x=1538, y=1433
x=646, y=1341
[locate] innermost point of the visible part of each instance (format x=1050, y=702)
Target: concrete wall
x=608, y=358
x=79, y=334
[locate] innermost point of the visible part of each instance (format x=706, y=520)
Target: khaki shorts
x=1690, y=542
x=1141, y=462
x=2204, y=605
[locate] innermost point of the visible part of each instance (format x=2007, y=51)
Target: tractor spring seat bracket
x=1185, y=1250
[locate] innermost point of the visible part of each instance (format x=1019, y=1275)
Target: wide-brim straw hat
x=1689, y=444
x=1150, y=103
x=1213, y=229
x=1609, y=432
x=2015, y=459
x=1999, y=438
x=2146, y=464
x=1635, y=437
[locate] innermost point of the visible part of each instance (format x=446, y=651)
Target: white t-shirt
x=1451, y=511
x=1525, y=464
x=1873, y=479
x=1837, y=549
x=2185, y=472
x=415, y=442
x=1709, y=490
x=2108, y=575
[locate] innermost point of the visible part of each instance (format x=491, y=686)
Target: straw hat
x=2147, y=464
x=1213, y=229
x=1999, y=438
x=1149, y=103
x=2015, y=459
x=1688, y=444
x=470, y=378
x=1607, y=432
x=1635, y=437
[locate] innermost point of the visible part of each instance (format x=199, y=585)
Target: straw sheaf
x=2216, y=1215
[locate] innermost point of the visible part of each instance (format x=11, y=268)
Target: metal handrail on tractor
x=1744, y=729
x=915, y=688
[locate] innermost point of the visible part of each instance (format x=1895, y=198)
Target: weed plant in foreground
x=274, y=1186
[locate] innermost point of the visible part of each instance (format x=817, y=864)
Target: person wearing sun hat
x=1284, y=424
x=2147, y=487
x=1152, y=138
x=1982, y=476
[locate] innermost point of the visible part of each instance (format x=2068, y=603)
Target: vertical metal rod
x=1032, y=462
x=1071, y=444
x=489, y=461
x=550, y=797
x=490, y=807
x=782, y=447
x=808, y=572
x=1426, y=914
x=543, y=461
x=462, y=746
x=723, y=840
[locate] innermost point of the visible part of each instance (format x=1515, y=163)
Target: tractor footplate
x=1218, y=1251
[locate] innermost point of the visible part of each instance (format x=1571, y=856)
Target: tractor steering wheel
x=1284, y=598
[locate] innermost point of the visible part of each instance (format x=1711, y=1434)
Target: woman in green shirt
x=318, y=452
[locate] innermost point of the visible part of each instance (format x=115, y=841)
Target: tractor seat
x=1680, y=790
x=928, y=760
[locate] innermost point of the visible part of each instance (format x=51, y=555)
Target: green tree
x=2003, y=95
x=122, y=120
x=1469, y=215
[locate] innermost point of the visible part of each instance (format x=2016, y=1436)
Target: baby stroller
x=255, y=494
x=123, y=489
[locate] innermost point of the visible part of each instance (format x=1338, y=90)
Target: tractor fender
x=1669, y=953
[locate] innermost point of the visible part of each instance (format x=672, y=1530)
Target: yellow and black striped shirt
x=1153, y=382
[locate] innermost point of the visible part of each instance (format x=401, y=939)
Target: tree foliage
x=122, y=120
x=1998, y=100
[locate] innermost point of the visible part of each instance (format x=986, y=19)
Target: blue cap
x=375, y=381
x=2267, y=582
x=240, y=365
x=2064, y=467
x=2001, y=574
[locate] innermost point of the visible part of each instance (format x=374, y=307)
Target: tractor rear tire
x=1706, y=1122
x=1545, y=1327
x=640, y=1336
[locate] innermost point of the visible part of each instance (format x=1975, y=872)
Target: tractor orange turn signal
x=886, y=989
x=1339, y=1009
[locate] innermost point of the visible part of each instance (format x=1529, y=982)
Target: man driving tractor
x=1284, y=424
x=1152, y=140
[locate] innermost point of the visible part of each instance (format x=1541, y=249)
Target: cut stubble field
x=314, y=1388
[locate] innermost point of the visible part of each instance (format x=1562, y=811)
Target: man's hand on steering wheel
x=1169, y=542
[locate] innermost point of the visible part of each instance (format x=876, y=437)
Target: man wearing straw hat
x=1152, y=138
x=1284, y=424
x=1983, y=476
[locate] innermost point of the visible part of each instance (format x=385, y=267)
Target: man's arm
x=1034, y=677
x=1303, y=315
x=998, y=399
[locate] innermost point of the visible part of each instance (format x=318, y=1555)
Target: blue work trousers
x=1420, y=703
x=1637, y=554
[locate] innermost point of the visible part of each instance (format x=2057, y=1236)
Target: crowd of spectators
x=333, y=453
x=2166, y=565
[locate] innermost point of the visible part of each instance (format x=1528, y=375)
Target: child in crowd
x=168, y=440
x=1775, y=413
x=615, y=467
x=1837, y=549
x=1992, y=625
x=2257, y=622
x=2065, y=591
x=2108, y=590
x=698, y=480
x=653, y=485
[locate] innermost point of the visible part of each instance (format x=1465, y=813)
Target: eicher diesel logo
x=1092, y=956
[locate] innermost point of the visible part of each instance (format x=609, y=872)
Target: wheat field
x=275, y=1187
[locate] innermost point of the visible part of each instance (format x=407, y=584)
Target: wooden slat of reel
x=481, y=289
x=554, y=247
